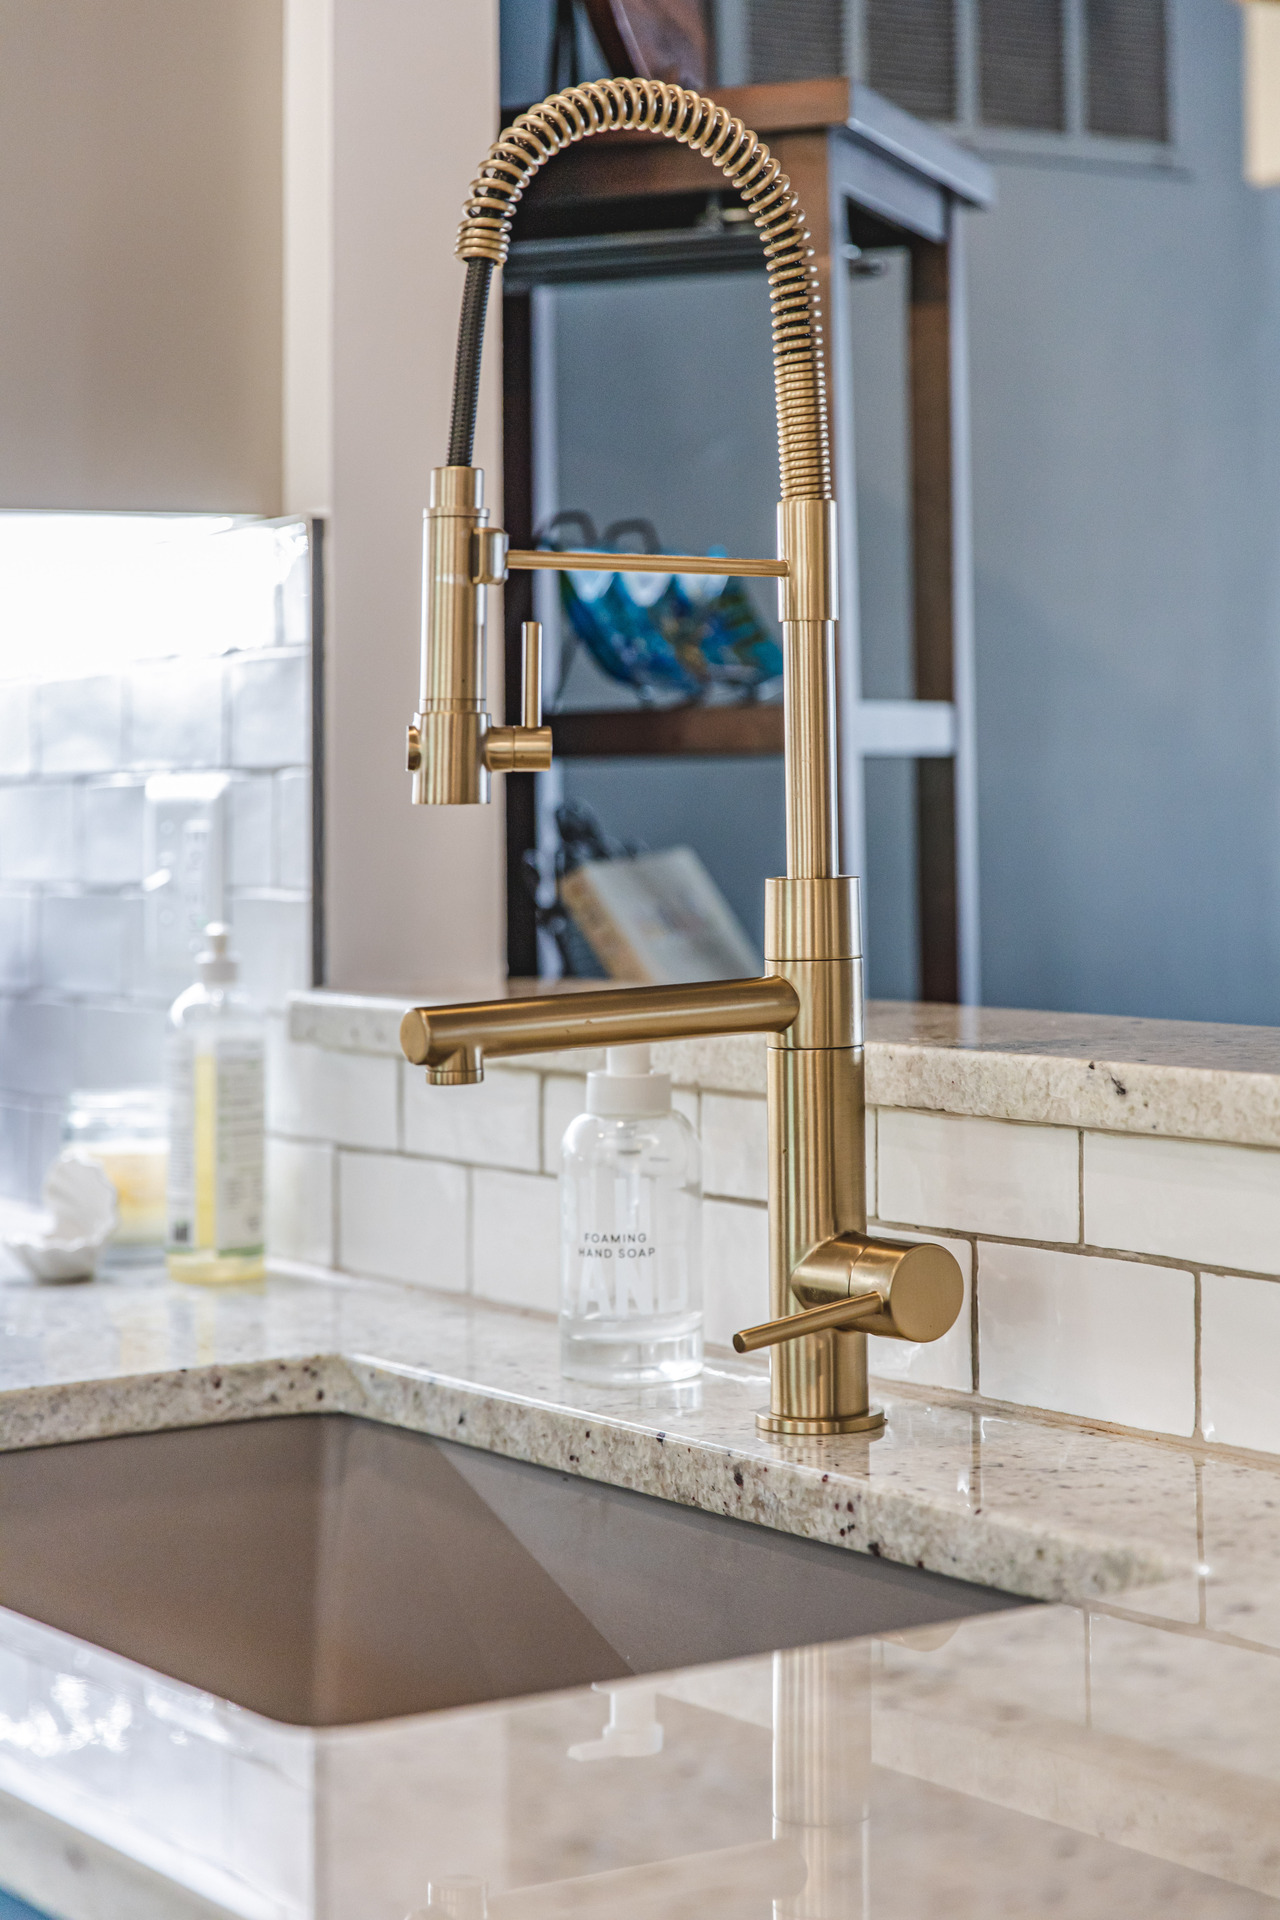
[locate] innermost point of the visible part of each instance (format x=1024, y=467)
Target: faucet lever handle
x=843, y=1315
x=531, y=674
x=899, y=1289
x=526, y=748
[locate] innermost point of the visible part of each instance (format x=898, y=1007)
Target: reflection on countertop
x=1120, y=1754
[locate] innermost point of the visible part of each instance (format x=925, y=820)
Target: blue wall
x=1125, y=354
x=1125, y=326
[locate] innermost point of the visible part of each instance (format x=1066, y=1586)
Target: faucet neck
x=675, y=113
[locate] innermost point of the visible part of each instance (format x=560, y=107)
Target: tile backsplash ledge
x=1110, y=1276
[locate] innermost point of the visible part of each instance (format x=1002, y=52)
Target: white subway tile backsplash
x=515, y=1239
x=273, y=939
x=293, y=829
x=119, y=1046
x=564, y=1097
x=270, y=710
x=1186, y=1199
x=735, y=1147
x=1104, y=1339
x=37, y=1046
x=250, y=854
x=941, y=1363
x=314, y=1093
x=17, y=939
x=979, y=1176
x=111, y=834
x=735, y=1268
x=175, y=715
x=403, y=1219
x=17, y=739
x=494, y=1124
x=300, y=1201
x=90, y=943
x=1239, y=1343
x=15, y=1173
x=79, y=725
x=37, y=832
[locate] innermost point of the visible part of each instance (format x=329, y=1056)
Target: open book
x=657, y=918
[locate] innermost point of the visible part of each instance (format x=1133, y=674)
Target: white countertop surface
x=1119, y=1753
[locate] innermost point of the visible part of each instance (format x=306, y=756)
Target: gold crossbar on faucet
x=830, y=1284
x=547, y=561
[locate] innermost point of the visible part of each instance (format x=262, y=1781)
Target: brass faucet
x=830, y=1285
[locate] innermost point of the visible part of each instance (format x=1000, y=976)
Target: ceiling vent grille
x=1125, y=81
x=1086, y=69
x=911, y=54
x=1020, y=65
x=796, y=39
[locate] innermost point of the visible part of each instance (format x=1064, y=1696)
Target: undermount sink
x=324, y=1570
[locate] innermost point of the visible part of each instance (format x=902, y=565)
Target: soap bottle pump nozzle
x=628, y=1088
x=217, y=966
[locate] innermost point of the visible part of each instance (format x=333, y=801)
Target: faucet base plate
x=869, y=1422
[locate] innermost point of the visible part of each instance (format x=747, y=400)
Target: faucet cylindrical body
x=452, y=719
x=817, y=1152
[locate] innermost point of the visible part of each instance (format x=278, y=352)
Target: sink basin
x=324, y=1570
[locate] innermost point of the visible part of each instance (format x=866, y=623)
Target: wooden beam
x=752, y=728
x=933, y=591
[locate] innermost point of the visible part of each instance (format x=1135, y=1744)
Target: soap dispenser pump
x=630, y=1212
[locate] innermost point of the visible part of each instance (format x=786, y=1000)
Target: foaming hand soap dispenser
x=630, y=1222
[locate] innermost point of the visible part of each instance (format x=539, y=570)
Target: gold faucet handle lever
x=531, y=674
x=526, y=748
x=899, y=1289
x=843, y=1315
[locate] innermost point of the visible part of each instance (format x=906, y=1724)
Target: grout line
x=469, y=1235
x=1186, y=1629
x=1184, y=1265
x=335, y=1223
x=1203, y=1579
x=1199, y=1426
x=974, y=1352
x=1080, y=1186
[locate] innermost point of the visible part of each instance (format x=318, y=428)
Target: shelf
x=755, y=727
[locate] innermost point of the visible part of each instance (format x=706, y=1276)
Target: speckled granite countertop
x=1181, y=1079
x=1119, y=1754
x=1044, y=1509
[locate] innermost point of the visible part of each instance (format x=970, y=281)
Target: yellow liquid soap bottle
x=217, y=1062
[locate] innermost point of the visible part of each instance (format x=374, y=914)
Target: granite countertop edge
x=826, y=1499
x=1169, y=1078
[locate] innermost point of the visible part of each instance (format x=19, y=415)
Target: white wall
x=415, y=894
x=140, y=236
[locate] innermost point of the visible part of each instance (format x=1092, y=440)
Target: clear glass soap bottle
x=216, y=1062
x=630, y=1218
